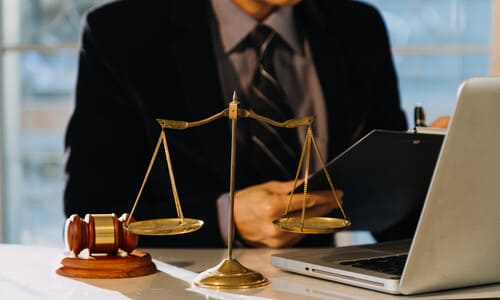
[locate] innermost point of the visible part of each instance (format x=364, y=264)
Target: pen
x=419, y=116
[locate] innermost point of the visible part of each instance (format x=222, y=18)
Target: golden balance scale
x=230, y=274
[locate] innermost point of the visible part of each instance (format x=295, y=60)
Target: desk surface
x=28, y=272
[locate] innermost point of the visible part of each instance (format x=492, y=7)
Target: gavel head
x=100, y=233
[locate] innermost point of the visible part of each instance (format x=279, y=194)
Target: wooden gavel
x=100, y=233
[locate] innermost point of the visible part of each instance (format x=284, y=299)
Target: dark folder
x=384, y=176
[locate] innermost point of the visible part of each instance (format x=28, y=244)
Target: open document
x=384, y=176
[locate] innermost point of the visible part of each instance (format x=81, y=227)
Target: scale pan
x=169, y=226
x=312, y=225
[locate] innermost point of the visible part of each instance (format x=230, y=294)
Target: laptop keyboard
x=392, y=265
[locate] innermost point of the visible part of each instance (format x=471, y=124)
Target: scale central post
x=233, y=116
x=231, y=274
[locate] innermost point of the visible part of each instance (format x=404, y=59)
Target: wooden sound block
x=137, y=263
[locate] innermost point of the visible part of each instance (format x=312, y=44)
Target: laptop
x=456, y=243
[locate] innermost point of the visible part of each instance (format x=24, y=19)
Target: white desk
x=29, y=273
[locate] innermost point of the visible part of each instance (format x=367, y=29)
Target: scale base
x=138, y=263
x=230, y=274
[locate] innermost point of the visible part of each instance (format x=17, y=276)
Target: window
x=436, y=45
x=38, y=62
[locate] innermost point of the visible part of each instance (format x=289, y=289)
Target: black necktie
x=275, y=151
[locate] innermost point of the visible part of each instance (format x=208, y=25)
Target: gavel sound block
x=112, y=250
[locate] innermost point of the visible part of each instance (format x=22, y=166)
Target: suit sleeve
x=386, y=112
x=108, y=148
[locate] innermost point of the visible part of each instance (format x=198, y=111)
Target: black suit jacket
x=147, y=59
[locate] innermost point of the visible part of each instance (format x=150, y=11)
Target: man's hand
x=441, y=122
x=257, y=206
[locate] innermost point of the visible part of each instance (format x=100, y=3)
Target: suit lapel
x=200, y=88
x=327, y=56
x=195, y=59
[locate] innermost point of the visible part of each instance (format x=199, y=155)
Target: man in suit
x=181, y=60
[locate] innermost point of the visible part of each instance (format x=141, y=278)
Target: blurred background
x=436, y=45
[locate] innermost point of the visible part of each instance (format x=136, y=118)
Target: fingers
x=275, y=237
x=314, y=199
x=280, y=187
x=441, y=122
